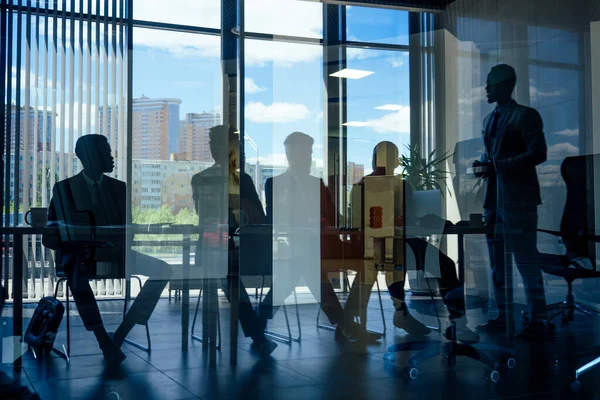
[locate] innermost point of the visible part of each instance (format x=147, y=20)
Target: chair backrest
x=578, y=219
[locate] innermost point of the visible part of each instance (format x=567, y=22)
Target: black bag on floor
x=44, y=324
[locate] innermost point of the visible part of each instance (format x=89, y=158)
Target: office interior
x=301, y=185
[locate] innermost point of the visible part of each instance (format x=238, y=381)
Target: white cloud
x=180, y=45
x=562, y=150
x=534, y=91
x=396, y=62
x=276, y=113
x=568, y=132
x=354, y=53
x=272, y=159
x=549, y=175
x=252, y=87
x=396, y=122
x=261, y=52
x=284, y=17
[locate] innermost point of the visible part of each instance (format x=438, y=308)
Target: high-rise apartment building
x=193, y=136
x=155, y=127
x=36, y=124
x=355, y=173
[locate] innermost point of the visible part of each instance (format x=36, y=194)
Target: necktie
x=95, y=193
x=494, y=123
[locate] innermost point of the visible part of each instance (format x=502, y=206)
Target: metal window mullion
x=45, y=127
x=3, y=76
x=80, y=84
x=121, y=116
x=36, y=123
x=105, y=60
x=53, y=102
x=62, y=104
x=113, y=89
x=17, y=133
x=97, y=63
x=71, y=131
x=88, y=79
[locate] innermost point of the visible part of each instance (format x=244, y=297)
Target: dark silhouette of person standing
x=514, y=145
x=103, y=200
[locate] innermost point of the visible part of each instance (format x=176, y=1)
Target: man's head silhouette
x=385, y=155
x=500, y=84
x=298, y=150
x=94, y=152
x=224, y=144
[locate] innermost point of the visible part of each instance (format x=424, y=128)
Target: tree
x=40, y=177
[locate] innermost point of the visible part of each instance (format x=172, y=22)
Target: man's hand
x=481, y=170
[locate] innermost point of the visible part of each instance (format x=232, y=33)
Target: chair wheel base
x=493, y=376
x=411, y=372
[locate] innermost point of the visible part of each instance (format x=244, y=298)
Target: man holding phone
x=514, y=145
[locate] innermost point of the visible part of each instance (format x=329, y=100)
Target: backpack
x=44, y=324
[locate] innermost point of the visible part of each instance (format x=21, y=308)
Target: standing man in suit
x=514, y=145
x=102, y=200
x=301, y=205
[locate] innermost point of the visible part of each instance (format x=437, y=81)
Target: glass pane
x=553, y=45
x=285, y=17
x=377, y=25
x=204, y=13
x=279, y=109
x=378, y=105
x=176, y=100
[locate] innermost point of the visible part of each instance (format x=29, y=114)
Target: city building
x=355, y=173
x=193, y=136
x=155, y=127
x=164, y=182
x=43, y=140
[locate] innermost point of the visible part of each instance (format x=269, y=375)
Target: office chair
x=85, y=219
x=577, y=232
x=454, y=300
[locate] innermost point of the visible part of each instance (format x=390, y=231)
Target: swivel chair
x=577, y=232
x=454, y=300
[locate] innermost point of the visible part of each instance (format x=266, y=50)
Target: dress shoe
x=403, y=320
x=496, y=325
x=263, y=347
x=113, y=354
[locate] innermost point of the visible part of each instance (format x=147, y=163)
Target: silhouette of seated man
x=224, y=196
x=102, y=201
x=301, y=205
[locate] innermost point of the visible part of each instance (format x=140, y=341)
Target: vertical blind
x=65, y=66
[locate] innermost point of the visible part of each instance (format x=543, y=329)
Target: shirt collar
x=502, y=108
x=90, y=181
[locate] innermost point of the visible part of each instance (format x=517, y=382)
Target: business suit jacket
x=517, y=148
x=331, y=246
x=74, y=194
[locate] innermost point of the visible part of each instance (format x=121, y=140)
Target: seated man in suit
x=300, y=205
x=101, y=200
x=224, y=197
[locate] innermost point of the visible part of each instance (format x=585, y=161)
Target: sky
x=284, y=81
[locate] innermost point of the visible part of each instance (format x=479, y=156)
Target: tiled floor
x=315, y=368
